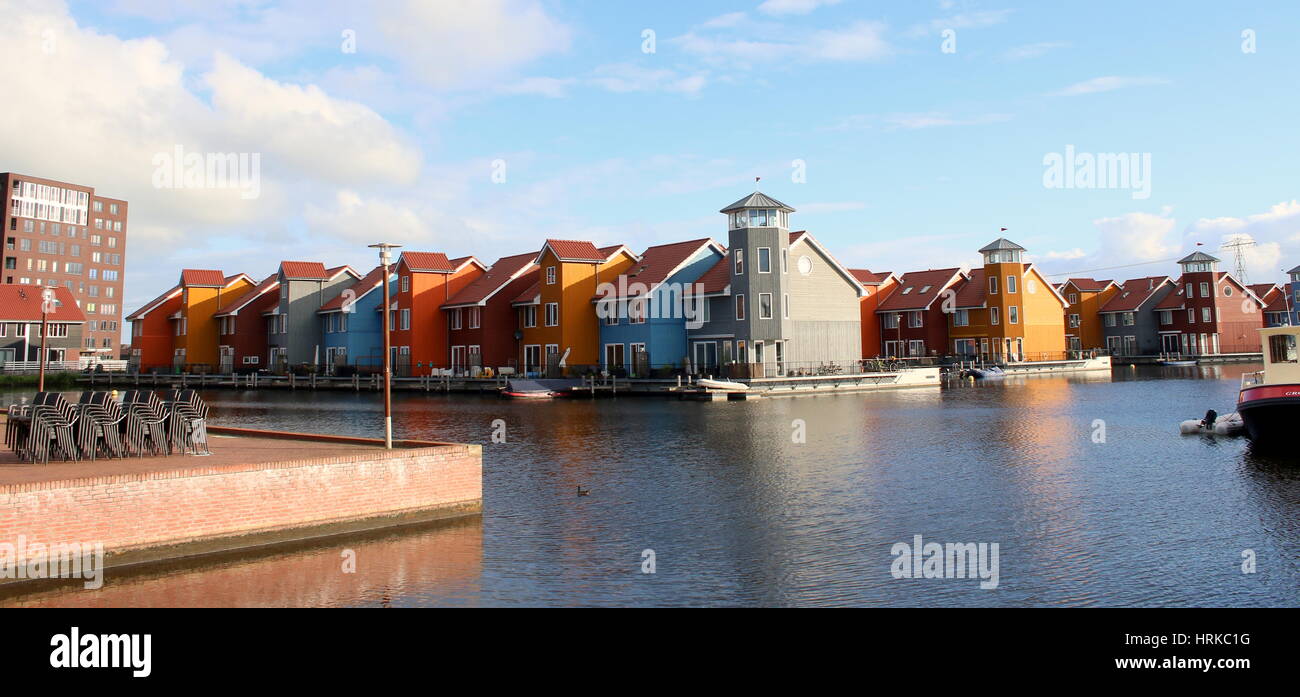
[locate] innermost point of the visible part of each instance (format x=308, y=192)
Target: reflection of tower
x=1238, y=247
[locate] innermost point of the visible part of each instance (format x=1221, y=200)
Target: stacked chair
x=97, y=426
x=102, y=418
x=146, y=423
x=187, y=423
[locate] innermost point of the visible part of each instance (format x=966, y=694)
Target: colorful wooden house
x=293, y=336
x=188, y=313
x=242, y=328
x=913, y=323
x=560, y=333
x=352, y=327
x=643, y=312
x=482, y=319
x=152, y=333
x=1007, y=311
x=1130, y=325
x=22, y=308
x=1277, y=310
x=1210, y=311
x=1086, y=297
x=876, y=287
x=420, y=330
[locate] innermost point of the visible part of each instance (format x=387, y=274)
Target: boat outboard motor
x=1210, y=417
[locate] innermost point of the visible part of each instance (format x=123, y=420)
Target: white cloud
x=1032, y=50
x=1106, y=84
x=1276, y=234
x=626, y=77
x=792, y=7
x=860, y=41
x=966, y=20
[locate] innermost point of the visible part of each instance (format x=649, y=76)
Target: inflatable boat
x=1226, y=425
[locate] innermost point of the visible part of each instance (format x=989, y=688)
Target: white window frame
x=548, y=319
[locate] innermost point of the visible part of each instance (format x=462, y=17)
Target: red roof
x=870, y=278
x=371, y=281
x=1263, y=289
x=529, y=296
x=794, y=236
x=973, y=292
x=716, y=279
x=435, y=262
x=580, y=251
x=1132, y=293
x=208, y=278
x=19, y=303
x=269, y=283
x=304, y=270
x=502, y=273
x=1277, y=303
x=1087, y=285
x=657, y=264
x=331, y=273
x=149, y=306
x=908, y=294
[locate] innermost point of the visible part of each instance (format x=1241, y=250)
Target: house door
x=640, y=360
x=457, y=359
x=706, y=356
x=613, y=356
x=227, y=359
x=760, y=358
x=532, y=358
x=1169, y=343
x=780, y=358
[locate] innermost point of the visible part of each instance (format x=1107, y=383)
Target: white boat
x=1225, y=425
x=725, y=385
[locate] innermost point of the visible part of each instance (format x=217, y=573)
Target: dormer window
x=907, y=290
x=924, y=290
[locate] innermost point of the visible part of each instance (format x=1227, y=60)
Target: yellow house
x=556, y=315
x=1007, y=311
x=194, y=330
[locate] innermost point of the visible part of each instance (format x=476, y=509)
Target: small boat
x=529, y=389
x=725, y=385
x=1178, y=362
x=1226, y=425
x=1269, y=401
x=530, y=394
x=990, y=372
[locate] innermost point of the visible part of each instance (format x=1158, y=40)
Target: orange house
x=420, y=329
x=878, y=286
x=1082, y=323
x=1006, y=311
x=177, y=329
x=556, y=315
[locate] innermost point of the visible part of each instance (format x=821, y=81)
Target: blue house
x=1293, y=295
x=351, y=326
x=642, y=313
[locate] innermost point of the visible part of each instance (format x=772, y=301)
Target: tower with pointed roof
x=758, y=242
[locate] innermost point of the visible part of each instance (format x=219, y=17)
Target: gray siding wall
x=752, y=283
x=1146, y=324
x=300, y=299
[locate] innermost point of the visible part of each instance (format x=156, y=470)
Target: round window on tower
x=805, y=265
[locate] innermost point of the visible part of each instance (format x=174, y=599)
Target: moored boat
x=1269, y=401
x=725, y=385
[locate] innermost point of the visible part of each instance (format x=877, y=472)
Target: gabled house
x=559, y=330
x=1277, y=311
x=293, y=335
x=186, y=314
x=1086, y=297
x=420, y=329
x=1210, y=311
x=643, y=312
x=1022, y=313
x=482, y=320
x=1130, y=322
x=876, y=286
x=787, y=305
x=21, y=308
x=913, y=322
x=241, y=328
x=352, y=327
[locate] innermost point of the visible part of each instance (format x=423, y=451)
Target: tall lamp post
x=47, y=306
x=386, y=258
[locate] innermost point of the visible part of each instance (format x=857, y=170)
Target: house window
x=636, y=312
x=475, y=314
x=552, y=314
x=915, y=319
x=1128, y=319
x=993, y=285
x=764, y=260
x=1013, y=313
x=611, y=320
x=993, y=315
x=1205, y=289
x=764, y=300
x=889, y=320
x=406, y=284
x=530, y=316
x=785, y=261
x=961, y=318
x=1074, y=321
x=406, y=318
x=1205, y=314
x=550, y=275
x=1011, y=284
x=785, y=305
x=740, y=308
x=1073, y=298
x=1227, y=291
x=1189, y=291
x=740, y=262
x=1166, y=317
x=455, y=318
x=1191, y=315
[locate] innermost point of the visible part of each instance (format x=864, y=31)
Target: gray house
x=778, y=303
x=293, y=332
x=1129, y=321
x=20, y=324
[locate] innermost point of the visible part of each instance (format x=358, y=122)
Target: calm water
x=739, y=514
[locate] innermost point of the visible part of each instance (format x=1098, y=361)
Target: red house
x=152, y=332
x=1210, y=313
x=913, y=322
x=481, y=319
x=426, y=280
x=241, y=328
x=878, y=286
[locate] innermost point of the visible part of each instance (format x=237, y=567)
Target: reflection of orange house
x=556, y=315
x=426, y=280
x=1007, y=311
x=177, y=328
x=878, y=286
x=1082, y=323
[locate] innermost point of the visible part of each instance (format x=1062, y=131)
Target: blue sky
x=915, y=156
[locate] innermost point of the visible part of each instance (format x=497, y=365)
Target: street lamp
x=47, y=306
x=386, y=258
